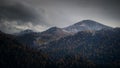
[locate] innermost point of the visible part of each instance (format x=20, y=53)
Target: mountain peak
x=27, y=31
x=53, y=29
x=85, y=25
x=88, y=22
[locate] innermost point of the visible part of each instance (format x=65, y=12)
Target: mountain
x=86, y=25
x=32, y=39
x=87, y=45
x=37, y=38
x=16, y=55
x=100, y=48
x=51, y=34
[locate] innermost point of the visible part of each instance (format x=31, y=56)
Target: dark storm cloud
x=16, y=11
x=18, y=15
x=13, y=10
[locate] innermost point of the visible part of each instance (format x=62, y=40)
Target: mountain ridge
x=83, y=25
x=54, y=33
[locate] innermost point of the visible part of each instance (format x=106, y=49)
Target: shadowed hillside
x=100, y=47
x=16, y=55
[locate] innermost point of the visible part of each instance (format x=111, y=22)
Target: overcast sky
x=38, y=15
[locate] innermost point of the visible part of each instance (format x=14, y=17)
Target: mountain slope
x=37, y=38
x=15, y=55
x=85, y=25
x=51, y=34
x=101, y=48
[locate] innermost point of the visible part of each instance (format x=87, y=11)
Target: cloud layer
x=16, y=16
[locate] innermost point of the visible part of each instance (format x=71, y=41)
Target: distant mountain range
x=33, y=38
x=83, y=44
x=37, y=38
